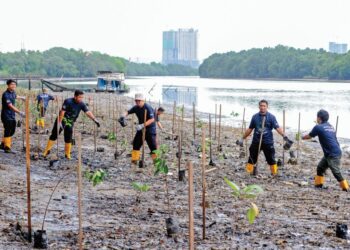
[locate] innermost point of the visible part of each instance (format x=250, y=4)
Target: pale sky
x=133, y=28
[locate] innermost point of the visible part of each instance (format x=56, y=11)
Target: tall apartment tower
x=338, y=48
x=180, y=47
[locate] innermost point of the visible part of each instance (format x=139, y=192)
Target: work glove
x=22, y=114
x=288, y=143
x=122, y=121
x=240, y=142
x=97, y=123
x=139, y=127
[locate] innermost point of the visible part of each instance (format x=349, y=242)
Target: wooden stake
x=215, y=121
x=194, y=121
x=299, y=138
x=58, y=126
x=29, y=207
x=210, y=151
x=243, y=125
x=190, y=206
x=173, y=126
x=336, y=126
x=203, y=183
x=284, y=131
x=219, y=139
x=143, y=138
x=80, y=237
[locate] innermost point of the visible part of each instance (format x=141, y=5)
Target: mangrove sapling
x=161, y=167
x=248, y=192
x=96, y=177
x=140, y=188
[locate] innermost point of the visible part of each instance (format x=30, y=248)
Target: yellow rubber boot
x=67, y=149
x=250, y=168
x=42, y=123
x=135, y=156
x=344, y=185
x=274, y=169
x=319, y=181
x=7, y=143
x=49, y=146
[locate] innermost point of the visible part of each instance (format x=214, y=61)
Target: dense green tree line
x=279, y=62
x=57, y=62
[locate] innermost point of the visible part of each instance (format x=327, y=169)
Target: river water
x=234, y=95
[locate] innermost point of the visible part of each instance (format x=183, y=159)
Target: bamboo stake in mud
x=58, y=126
x=215, y=121
x=243, y=125
x=336, y=126
x=203, y=183
x=29, y=207
x=173, y=126
x=299, y=138
x=190, y=205
x=219, y=138
x=211, y=163
x=255, y=170
x=80, y=237
x=144, y=137
x=194, y=121
x=284, y=131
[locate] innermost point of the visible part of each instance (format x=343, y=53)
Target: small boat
x=113, y=82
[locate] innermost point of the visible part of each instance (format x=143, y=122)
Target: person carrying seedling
x=8, y=114
x=331, y=149
x=139, y=109
x=67, y=116
x=43, y=100
x=266, y=144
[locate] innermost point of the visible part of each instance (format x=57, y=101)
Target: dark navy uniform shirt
x=140, y=113
x=72, y=109
x=8, y=97
x=327, y=138
x=45, y=98
x=270, y=124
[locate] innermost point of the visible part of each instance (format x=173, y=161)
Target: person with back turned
x=43, y=100
x=8, y=114
x=67, y=116
x=331, y=149
x=139, y=109
x=267, y=143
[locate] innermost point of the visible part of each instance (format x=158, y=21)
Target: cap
x=139, y=96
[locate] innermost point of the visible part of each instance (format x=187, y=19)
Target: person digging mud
x=139, y=110
x=43, y=100
x=68, y=115
x=8, y=114
x=267, y=144
x=331, y=149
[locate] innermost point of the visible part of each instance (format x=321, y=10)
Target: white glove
x=140, y=127
x=22, y=114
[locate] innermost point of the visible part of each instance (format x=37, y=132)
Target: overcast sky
x=133, y=28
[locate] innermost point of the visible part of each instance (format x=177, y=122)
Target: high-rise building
x=180, y=47
x=339, y=48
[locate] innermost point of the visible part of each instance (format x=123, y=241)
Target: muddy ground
x=293, y=215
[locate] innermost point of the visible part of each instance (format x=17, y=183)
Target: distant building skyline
x=338, y=48
x=180, y=47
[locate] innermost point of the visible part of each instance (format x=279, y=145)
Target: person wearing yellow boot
x=68, y=115
x=139, y=110
x=267, y=144
x=8, y=114
x=331, y=149
x=43, y=100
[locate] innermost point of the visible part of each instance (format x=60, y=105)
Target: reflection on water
x=181, y=95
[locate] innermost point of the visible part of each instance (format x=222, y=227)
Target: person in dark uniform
x=267, y=145
x=159, y=112
x=68, y=115
x=331, y=149
x=139, y=110
x=43, y=100
x=8, y=114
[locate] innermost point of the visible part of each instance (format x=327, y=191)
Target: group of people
x=261, y=123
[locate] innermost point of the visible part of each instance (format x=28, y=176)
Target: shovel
x=255, y=171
